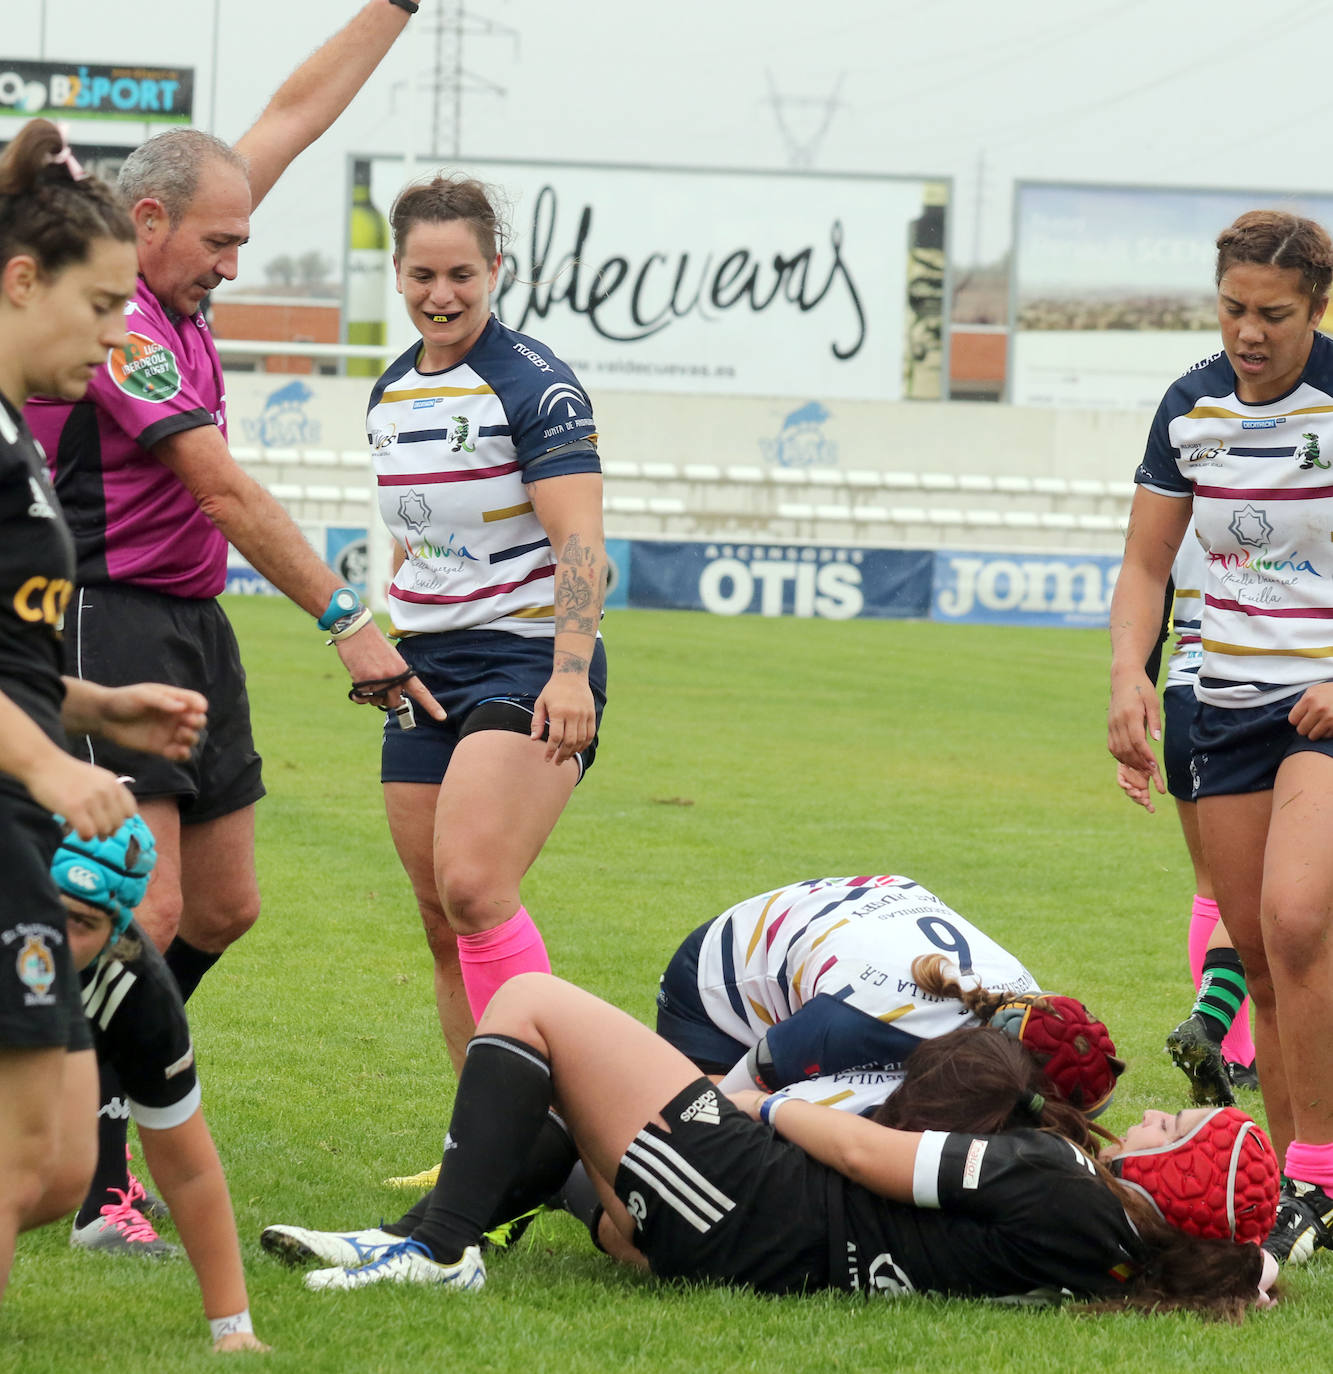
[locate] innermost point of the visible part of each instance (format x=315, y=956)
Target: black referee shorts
x=117, y=635
x=720, y=1197
x=40, y=1002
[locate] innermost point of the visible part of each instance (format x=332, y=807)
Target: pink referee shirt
x=133, y=520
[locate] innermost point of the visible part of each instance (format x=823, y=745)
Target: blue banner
x=1024, y=589
x=347, y=552
x=763, y=577
x=617, y=564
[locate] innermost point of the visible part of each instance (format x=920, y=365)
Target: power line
x=451, y=80
x=801, y=150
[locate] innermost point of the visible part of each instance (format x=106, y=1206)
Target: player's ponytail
x=978, y=1078
x=48, y=208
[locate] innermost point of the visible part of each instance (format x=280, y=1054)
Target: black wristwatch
x=410, y=6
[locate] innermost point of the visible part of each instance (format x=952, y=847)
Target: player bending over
x=139, y=1027
x=822, y=990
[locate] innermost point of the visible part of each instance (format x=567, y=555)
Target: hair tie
x=65, y=157
x=1034, y=1105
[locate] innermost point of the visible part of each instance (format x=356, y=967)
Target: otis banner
x=711, y=282
x=822, y=581
x=766, y=578
x=89, y=91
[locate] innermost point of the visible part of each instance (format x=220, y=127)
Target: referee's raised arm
x=318, y=91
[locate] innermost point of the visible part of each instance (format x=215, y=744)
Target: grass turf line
x=737, y=754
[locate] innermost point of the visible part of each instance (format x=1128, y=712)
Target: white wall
x=909, y=436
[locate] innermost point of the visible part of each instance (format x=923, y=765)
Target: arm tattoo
x=577, y=593
x=565, y=662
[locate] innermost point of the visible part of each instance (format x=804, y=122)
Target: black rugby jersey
x=995, y=1216
x=139, y=1028
x=36, y=577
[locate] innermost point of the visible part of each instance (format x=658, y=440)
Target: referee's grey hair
x=167, y=168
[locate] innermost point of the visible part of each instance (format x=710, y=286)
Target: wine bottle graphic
x=367, y=272
x=923, y=352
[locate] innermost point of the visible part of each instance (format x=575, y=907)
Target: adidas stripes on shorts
x=721, y=1197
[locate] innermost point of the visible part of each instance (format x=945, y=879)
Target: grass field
x=736, y=755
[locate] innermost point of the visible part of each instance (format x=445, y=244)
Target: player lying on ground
x=138, y=1025
x=816, y=989
x=970, y=1183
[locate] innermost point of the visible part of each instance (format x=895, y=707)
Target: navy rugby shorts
x=462, y=669
x=681, y=1019
x=1238, y=750
x=1179, y=707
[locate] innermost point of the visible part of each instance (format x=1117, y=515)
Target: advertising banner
x=805, y=580
x=1023, y=589
x=617, y=563
x=89, y=90
x=1112, y=289
x=690, y=280
x=779, y=579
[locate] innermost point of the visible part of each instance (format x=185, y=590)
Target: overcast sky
x=1141, y=91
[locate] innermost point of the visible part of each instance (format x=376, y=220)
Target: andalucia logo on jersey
x=145, y=370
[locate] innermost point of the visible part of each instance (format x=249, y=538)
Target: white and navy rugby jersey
x=1262, y=481
x=138, y=1023
x=1187, y=577
x=452, y=452
x=853, y=940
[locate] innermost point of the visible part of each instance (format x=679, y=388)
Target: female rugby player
x=489, y=482
x=971, y=1183
x=1240, y=441
x=67, y=268
x=139, y=1028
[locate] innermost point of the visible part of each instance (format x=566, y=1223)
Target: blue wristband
x=343, y=603
x=768, y=1108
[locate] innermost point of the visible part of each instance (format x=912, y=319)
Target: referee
x=154, y=496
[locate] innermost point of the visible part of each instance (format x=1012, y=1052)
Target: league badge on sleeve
x=145, y=370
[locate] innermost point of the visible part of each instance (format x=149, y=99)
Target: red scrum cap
x=1073, y=1049
x=1219, y=1180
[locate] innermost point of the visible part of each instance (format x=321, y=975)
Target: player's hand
x=1133, y=782
x=154, y=718
x=93, y=801
x=239, y=1340
x=1133, y=715
x=1313, y=713
x=1267, y=1278
x=565, y=710
x=748, y=1100
x=368, y=656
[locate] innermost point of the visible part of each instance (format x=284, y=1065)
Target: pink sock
x=1238, y=1042
x=493, y=956
x=1203, y=917
x=1310, y=1163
